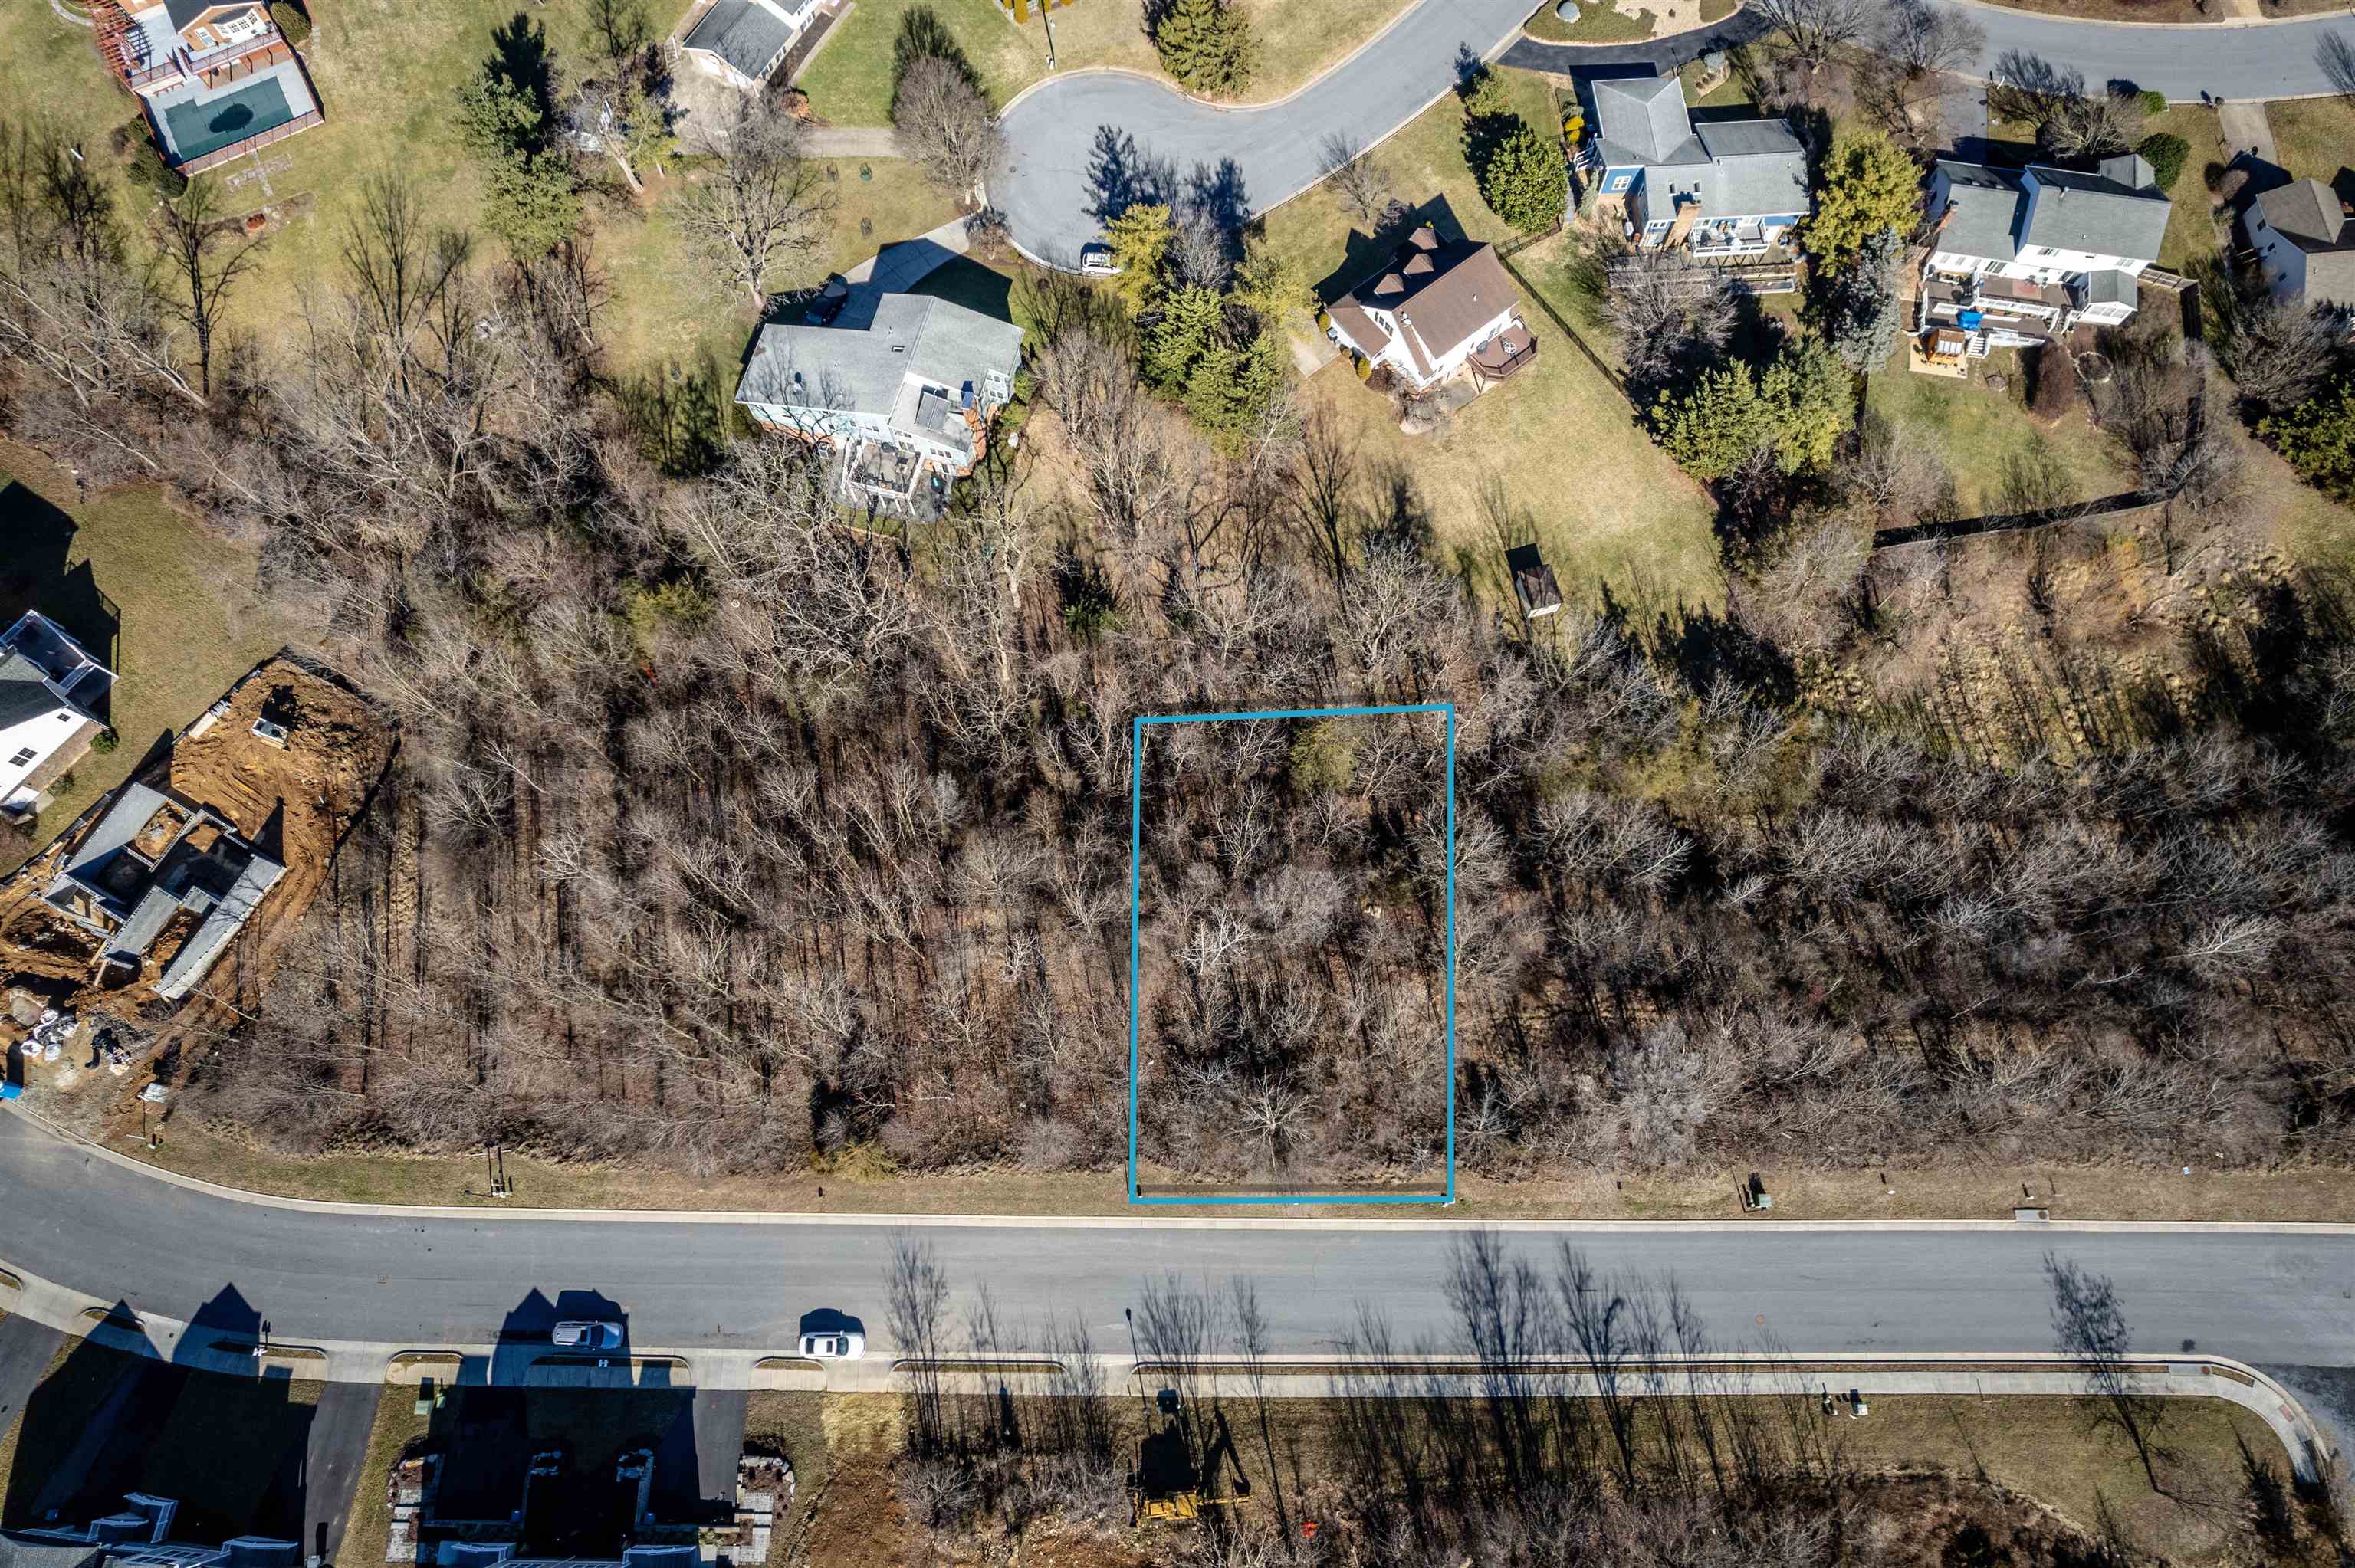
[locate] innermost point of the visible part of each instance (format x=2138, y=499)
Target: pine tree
x=1188, y=328
x=1140, y=240
x=1523, y=179
x=1713, y=428
x=1206, y=45
x=1869, y=185
x=1865, y=326
x=1232, y=384
x=1810, y=400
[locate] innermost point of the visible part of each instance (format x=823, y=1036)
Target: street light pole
x=1047, y=15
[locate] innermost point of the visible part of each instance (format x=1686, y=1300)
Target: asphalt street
x=1087, y=144
x=99, y=1227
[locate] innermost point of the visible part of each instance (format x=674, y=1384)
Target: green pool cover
x=197, y=129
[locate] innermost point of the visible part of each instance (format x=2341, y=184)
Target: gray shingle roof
x=867, y=370
x=24, y=691
x=1757, y=169
x=220, y=923
x=1983, y=208
x=2112, y=287
x=745, y=33
x=2306, y=212
x=1642, y=119
x=2075, y=211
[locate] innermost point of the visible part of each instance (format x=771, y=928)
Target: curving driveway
x=1085, y=146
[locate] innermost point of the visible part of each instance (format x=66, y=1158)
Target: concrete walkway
x=2247, y=129
x=853, y=141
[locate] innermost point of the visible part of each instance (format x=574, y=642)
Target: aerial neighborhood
x=1176, y=783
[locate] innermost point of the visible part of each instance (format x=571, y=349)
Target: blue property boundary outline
x=1136, y=728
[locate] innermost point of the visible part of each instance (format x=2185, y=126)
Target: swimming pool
x=197, y=129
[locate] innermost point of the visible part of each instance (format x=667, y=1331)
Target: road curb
x=1150, y=1221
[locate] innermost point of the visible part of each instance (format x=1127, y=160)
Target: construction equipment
x=1166, y=1486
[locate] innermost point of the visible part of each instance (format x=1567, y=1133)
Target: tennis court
x=197, y=129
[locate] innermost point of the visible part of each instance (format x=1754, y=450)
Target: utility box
x=2033, y=1216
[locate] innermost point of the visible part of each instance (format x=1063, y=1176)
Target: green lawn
x=2192, y=241
x=1556, y=443
x=1976, y=431
x=849, y=83
x=1600, y=22
x=2316, y=138
x=174, y=609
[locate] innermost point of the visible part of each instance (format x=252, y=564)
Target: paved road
x=1088, y=143
x=1081, y=140
x=101, y=1228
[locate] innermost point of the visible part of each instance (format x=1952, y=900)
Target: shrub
x=2152, y=101
x=2053, y=383
x=1324, y=321
x=2317, y=437
x=2166, y=153
x=1365, y=366
x=104, y=741
x=150, y=170
x=290, y=20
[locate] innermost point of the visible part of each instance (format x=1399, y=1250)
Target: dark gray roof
x=1982, y=211
x=2306, y=212
x=2112, y=287
x=1642, y=119
x=2077, y=211
x=747, y=34
x=911, y=339
x=25, y=691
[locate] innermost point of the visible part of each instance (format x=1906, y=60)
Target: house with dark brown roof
x=1434, y=307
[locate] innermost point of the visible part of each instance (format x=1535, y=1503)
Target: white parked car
x=842, y=1347
x=1096, y=261
x=606, y=1336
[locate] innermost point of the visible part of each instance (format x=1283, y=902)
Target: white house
x=1723, y=187
x=905, y=392
x=2020, y=256
x=1431, y=309
x=742, y=42
x=2305, y=241
x=50, y=690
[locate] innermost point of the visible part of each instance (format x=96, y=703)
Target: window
x=22, y=757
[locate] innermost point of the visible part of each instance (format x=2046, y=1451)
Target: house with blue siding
x=1720, y=189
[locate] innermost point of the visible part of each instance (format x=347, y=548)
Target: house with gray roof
x=742, y=42
x=2305, y=241
x=139, y=1535
x=50, y=689
x=159, y=876
x=1724, y=187
x=2017, y=257
x=902, y=386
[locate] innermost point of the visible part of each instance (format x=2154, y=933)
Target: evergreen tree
x=532, y=202
x=1810, y=400
x=1188, y=328
x=1206, y=45
x=1140, y=240
x=2317, y=437
x=1869, y=185
x=1711, y=430
x=1864, y=328
x=1231, y=385
x=1523, y=179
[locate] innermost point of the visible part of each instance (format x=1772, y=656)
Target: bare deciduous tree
x=1923, y=40
x=207, y=253
x=762, y=201
x=946, y=127
x=1360, y=179
x=2089, y=1326
x=1814, y=30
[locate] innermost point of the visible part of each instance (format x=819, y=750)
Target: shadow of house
x=37, y=573
x=587, y=1456
x=1363, y=250
x=126, y=1455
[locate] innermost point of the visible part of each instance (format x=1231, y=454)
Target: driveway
x=1088, y=144
x=331, y=1461
x=27, y=1348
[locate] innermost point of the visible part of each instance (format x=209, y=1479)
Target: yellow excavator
x=1165, y=1487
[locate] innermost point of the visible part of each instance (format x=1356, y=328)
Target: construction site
x=158, y=916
